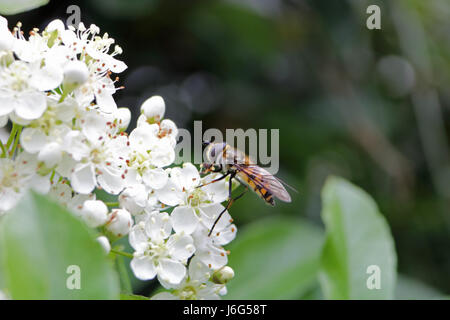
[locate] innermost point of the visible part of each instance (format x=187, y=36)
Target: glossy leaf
x=18, y=6
x=358, y=246
x=276, y=258
x=45, y=248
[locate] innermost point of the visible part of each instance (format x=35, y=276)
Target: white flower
x=195, y=205
x=18, y=92
x=57, y=84
x=94, y=213
x=75, y=74
x=223, y=275
x=195, y=286
x=123, y=116
x=45, y=136
x=60, y=191
x=55, y=25
x=157, y=252
x=104, y=242
x=6, y=38
x=154, y=108
x=51, y=154
x=138, y=198
x=94, y=51
x=16, y=176
x=147, y=150
x=100, y=161
x=209, y=249
x=147, y=155
x=134, y=198
x=119, y=222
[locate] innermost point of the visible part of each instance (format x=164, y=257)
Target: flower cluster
x=69, y=139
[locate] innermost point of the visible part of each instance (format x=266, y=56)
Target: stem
x=124, y=277
x=16, y=140
x=52, y=176
x=11, y=135
x=4, y=152
x=121, y=253
x=112, y=204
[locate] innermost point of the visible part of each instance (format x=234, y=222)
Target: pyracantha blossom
x=16, y=176
x=209, y=248
x=119, y=222
x=196, y=285
x=71, y=141
x=104, y=242
x=195, y=205
x=158, y=253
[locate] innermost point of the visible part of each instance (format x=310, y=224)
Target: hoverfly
x=221, y=157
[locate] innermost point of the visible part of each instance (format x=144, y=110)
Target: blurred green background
x=369, y=105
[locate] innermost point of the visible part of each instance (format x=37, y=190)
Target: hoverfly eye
x=213, y=152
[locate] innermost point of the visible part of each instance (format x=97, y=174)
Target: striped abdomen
x=259, y=189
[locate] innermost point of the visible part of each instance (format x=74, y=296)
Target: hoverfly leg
x=215, y=180
x=230, y=201
x=239, y=196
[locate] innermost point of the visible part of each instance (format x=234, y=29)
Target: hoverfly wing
x=264, y=180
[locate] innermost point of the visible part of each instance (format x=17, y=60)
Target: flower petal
x=170, y=194
x=158, y=226
x=7, y=102
x=32, y=140
x=181, y=247
x=198, y=270
x=184, y=220
x=171, y=271
x=111, y=182
x=138, y=238
x=31, y=105
x=83, y=178
x=155, y=178
x=143, y=268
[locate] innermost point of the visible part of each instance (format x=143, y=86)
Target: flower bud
x=6, y=41
x=55, y=25
x=119, y=222
x=104, y=242
x=153, y=108
x=94, y=213
x=6, y=38
x=133, y=199
x=223, y=275
x=123, y=116
x=75, y=74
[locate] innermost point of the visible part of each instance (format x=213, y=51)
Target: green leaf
x=357, y=236
x=18, y=6
x=132, y=297
x=39, y=240
x=276, y=258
